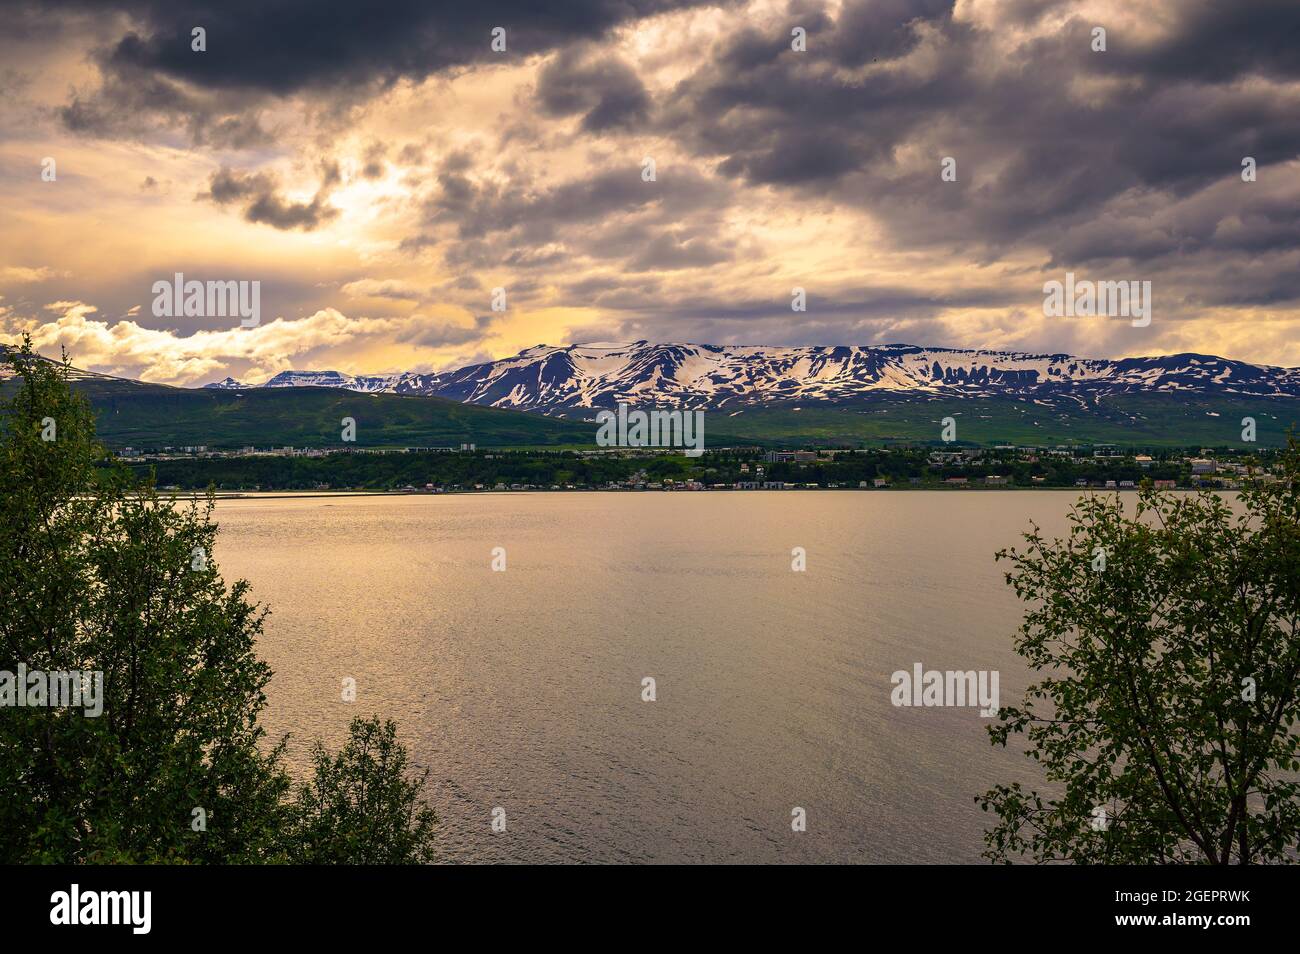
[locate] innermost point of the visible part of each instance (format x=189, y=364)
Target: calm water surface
x=522, y=689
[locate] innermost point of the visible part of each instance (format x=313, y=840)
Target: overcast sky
x=379, y=168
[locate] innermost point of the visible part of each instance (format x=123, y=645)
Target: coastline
x=306, y=494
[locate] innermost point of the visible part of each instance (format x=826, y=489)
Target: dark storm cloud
x=672, y=250
x=284, y=47
x=130, y=102
x=875, y=315
x=1048, y=156
x=606, y=90
x=774, y=116
x=257, y=193
x=373, y=161
x=433, y=333
x=341, y=52
x=1217, y=40
x=876, y=301
x=545, y=257
x=882, y=29
x=610, y=214
x=1124, y=164
x=1247, y=218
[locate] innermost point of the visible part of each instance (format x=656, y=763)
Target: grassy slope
x=1147, y=420
x=146, y=415
x=133, y=414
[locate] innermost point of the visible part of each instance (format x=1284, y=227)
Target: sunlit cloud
x=381, y=194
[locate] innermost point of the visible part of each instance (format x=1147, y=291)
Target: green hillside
x=1144, y=420
x=131, y=414
x=140, y=415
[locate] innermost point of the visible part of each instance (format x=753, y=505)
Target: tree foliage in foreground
x=360, y=807
x=1165, y=724
x=97, y=573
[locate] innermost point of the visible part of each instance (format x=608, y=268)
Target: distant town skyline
x=644, y=169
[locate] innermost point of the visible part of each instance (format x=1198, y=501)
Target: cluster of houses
x=201, y=450
x=1202, y=471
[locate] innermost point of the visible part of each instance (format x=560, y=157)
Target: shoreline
x=319, y=494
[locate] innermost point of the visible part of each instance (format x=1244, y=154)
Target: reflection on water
x=522, y=689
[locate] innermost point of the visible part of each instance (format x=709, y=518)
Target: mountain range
x=825, y=396
x=576, y=380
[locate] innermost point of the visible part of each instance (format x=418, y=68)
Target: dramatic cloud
x=649, y=169
x=256, y=192
x=284, y=48
x=605, y=91
x=124, y=347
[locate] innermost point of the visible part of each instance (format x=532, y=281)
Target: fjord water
x=522, y=689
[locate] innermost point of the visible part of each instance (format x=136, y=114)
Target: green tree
x=360, y=807
x=1165, y=723
x=100, y=574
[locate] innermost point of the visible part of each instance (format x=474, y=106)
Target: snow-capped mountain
x=74, y=373
x=405, y=383
x=570, y=380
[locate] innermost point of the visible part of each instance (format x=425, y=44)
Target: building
x=1165, y=484
x=1202, y=465
x=995, y=480
x=801, y=457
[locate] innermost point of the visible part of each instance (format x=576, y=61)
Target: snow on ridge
x=583, y=377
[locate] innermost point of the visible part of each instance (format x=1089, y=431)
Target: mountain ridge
x=580, y=379
x=766, y=396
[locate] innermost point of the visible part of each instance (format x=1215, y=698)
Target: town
x=467, y=468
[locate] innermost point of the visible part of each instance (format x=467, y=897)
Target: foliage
x=360, y=807
x=1170, y=647
x=98, y=574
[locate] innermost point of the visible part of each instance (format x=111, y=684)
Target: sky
x=380, y=169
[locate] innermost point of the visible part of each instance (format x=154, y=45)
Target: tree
x=1170, y=643
x=360, y=807
x=101, y=577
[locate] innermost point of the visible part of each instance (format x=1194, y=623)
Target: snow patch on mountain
x=586, y=377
